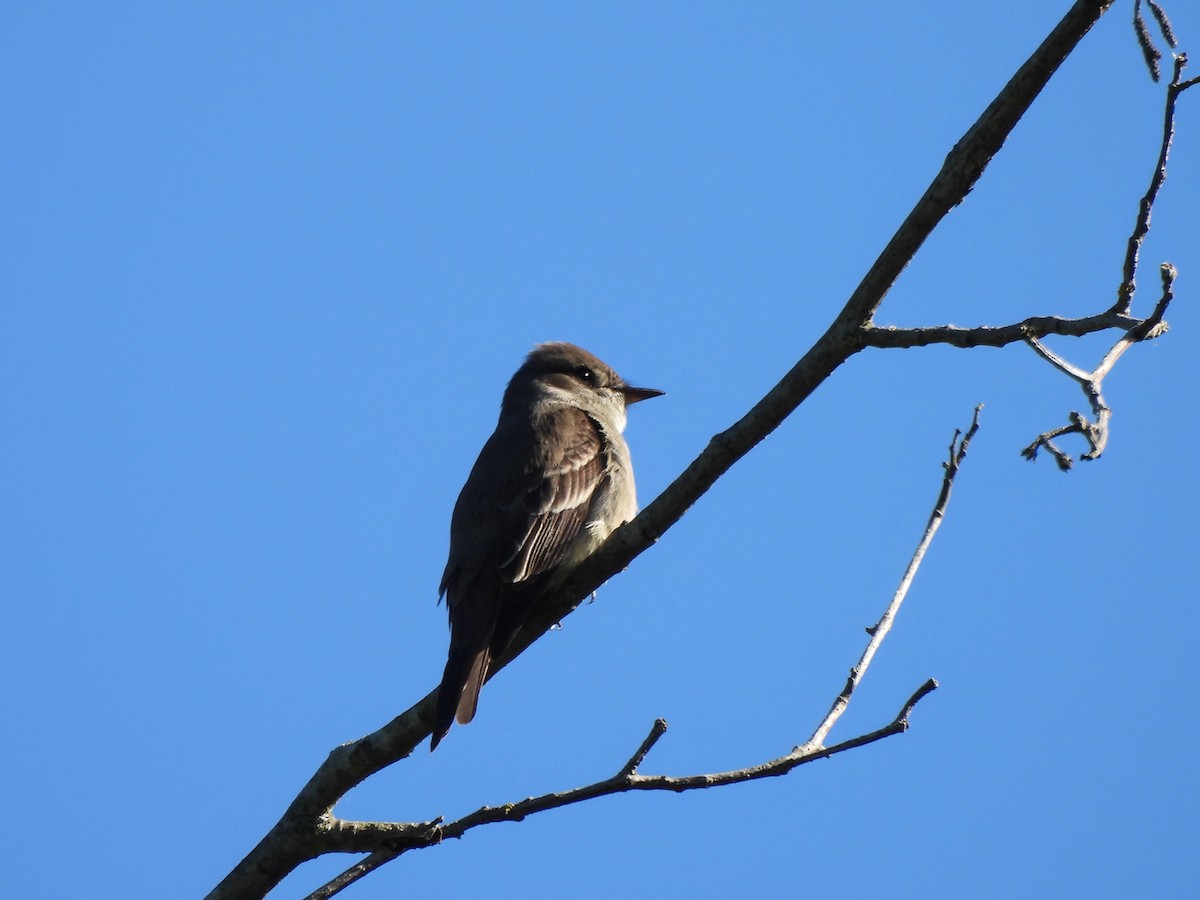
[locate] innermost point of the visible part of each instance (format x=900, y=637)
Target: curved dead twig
x=1095, y=431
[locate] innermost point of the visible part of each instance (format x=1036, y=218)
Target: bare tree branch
x=379, y=839
x=386, y=841
x=845, y=336
x=958, y=452
x=359, y=870
x=893, y=338
x=656, y=732
x=1096, y=432
x=1141, y=226
x=307, y=828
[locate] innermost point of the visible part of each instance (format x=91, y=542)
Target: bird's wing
x=557, y=494
x=532, y=496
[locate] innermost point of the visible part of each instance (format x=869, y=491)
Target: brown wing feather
x=558, y=498
x=533, y=514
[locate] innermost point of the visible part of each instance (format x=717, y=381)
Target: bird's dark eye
x=583, y=373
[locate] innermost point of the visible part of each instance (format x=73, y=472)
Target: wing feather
x=530, y=491
x=558, y=495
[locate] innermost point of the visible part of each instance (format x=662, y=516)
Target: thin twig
x=1141, y=225
x=958, y=451
x=1149, y=328
x=359, y=870
x=657, y=731
x=1057, y=361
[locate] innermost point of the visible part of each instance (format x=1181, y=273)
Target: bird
x=549, y=486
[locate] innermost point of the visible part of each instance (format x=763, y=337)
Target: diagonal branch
x=1057, y=361
x=386, y=841
x=847, y=334
x=297, y=836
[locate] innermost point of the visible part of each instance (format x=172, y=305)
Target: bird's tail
x=458, y=695
x=475, y=641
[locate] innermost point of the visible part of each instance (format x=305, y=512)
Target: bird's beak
x=638, y=394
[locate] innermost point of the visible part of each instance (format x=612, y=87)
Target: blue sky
x=267, y=270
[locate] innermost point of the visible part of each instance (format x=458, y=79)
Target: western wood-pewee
x=551, y=483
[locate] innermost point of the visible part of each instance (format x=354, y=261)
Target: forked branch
x=308, y=827
x=1094, y=430
x=385, y=841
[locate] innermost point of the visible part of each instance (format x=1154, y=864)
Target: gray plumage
x=551, y=483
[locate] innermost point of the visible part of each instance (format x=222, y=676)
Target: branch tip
x=657, y=730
